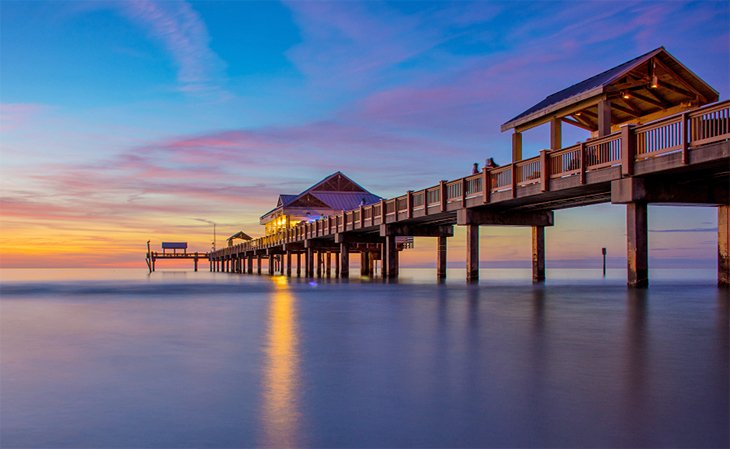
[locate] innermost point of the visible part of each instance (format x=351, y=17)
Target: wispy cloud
x=684, y=230
x=184, y=35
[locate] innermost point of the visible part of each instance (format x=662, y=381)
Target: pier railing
x=681, y=132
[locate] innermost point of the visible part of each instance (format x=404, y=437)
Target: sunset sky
x=135, y=120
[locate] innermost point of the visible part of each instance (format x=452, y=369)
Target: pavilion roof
x=647, y=84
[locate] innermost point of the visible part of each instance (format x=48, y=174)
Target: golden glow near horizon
x=280, y=413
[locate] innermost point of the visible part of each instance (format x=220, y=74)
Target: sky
x=122, y=122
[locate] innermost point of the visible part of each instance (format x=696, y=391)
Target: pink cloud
x=14, y=116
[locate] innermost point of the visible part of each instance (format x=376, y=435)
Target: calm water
x=118, y=359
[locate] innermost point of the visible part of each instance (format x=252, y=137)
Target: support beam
x=271, y=264
x=337, y=264
x=258, y=263
x=472, y=253
x=516, y=146
x=288, y=263
x=195, y=261
x=538, y=253
x=415, y=230
x=319, y=264
x=556, y=134
x=637, y=245
x=604, y=118
x=328, y=264
x=299, y=264
x=723, y=246
x=441, y=258
x=249, y=262
x=391, y=257
x=503, y=218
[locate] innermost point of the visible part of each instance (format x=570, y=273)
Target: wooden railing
x=680, y=132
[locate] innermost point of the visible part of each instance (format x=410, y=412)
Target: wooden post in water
x=391, y=257
x=441, y=257
x=637, y=245
x=328, y=264
x=319, y=264
x=472, y=253
x=365, y=263
x=344, y=260
x=538, y=253
x=258, y=264
x=603, y=252
x=288, y=263
x=337, y=264
x=299, y=264
x=271, y=264
x=309, y=263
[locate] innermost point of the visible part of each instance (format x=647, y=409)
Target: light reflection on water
x=280, y=414
x=216, y=360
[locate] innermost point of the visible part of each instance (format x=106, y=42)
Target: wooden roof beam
x=632, y=112
x=681, y=80
x=649, y=100
x=631, y=108
x=678, y=90
x=574, y=122
x=655, y=95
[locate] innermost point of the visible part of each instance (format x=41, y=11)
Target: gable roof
x=601, y=84
x=336, y=192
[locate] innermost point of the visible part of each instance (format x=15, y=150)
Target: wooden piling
x=472, y=253
x=538, y=253
x=441, y=257
x=637, y=245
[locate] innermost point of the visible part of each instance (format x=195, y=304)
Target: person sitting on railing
x=475, y=169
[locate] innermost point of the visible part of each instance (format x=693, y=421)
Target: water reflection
x=280, y=413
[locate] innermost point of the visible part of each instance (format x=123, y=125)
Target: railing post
x=514, y=180
x=362, y=217
x=486, y=185
x=628, y=150
x=463, y=192
x=685, y=138
x=409, y=204
x=443, y=194
x=425, y=201
x=382, y=211
x=544, y=171
x=582, y=156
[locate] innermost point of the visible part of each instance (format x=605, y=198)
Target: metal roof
x=346, y=200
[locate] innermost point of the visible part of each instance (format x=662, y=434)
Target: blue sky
x=128, y=119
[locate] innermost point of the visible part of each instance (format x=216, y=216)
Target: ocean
x=119, y=358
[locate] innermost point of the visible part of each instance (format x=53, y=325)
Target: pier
x=658, y=136
x=153, y=256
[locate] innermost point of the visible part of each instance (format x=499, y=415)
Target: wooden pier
x=680, y=159
x=658, y=135
x=153, y=256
